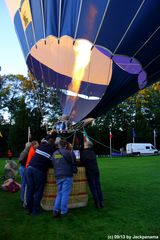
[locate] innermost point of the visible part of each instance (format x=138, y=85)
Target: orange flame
x=82, y=50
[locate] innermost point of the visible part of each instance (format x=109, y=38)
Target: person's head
x=57, y=140
x=34, y=144
x=88, y=144
x=69, y=146
x=51, y=141
x=62, y=143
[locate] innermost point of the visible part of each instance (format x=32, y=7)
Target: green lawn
x=131, y=188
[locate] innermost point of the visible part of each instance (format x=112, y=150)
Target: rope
x=128, y=27
x=33, y=28
x=59, y=20
x=79, y=13
x=43, y=21
x=67, y=137
x=42, y=73
x=154, y=74
x=36, y=93
x=146, y=42
x=101, y=143
x=101, y=22
x=151, y=61
x=37, y=96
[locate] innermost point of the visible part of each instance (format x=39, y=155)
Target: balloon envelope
x=124, y=49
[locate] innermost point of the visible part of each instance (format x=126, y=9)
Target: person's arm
x=30, y=155
x=23, y=157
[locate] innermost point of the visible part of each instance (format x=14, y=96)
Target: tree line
x=26, y=102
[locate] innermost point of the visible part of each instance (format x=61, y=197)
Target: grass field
x=131, y=188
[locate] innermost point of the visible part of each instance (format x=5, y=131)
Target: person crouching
x=63, y=161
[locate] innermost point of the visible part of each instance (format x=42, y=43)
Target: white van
x=141, y=149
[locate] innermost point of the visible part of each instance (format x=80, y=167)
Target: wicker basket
x=78, y=196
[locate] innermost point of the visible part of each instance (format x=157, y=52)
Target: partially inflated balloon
x=96, y=52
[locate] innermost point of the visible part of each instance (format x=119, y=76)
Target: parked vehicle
x=141, y=149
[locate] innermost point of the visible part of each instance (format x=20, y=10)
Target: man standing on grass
x=63, y=161
x=88, y=159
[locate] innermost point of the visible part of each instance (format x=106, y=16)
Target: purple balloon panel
x=142, y=80
x=104, y=51
x=128, y=64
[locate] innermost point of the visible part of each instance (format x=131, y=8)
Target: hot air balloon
x=95, y=52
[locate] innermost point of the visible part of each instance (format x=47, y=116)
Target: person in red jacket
x=31, y=152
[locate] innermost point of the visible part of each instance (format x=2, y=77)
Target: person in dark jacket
x=63, y=163
x=88, y=159
x=36, y=175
